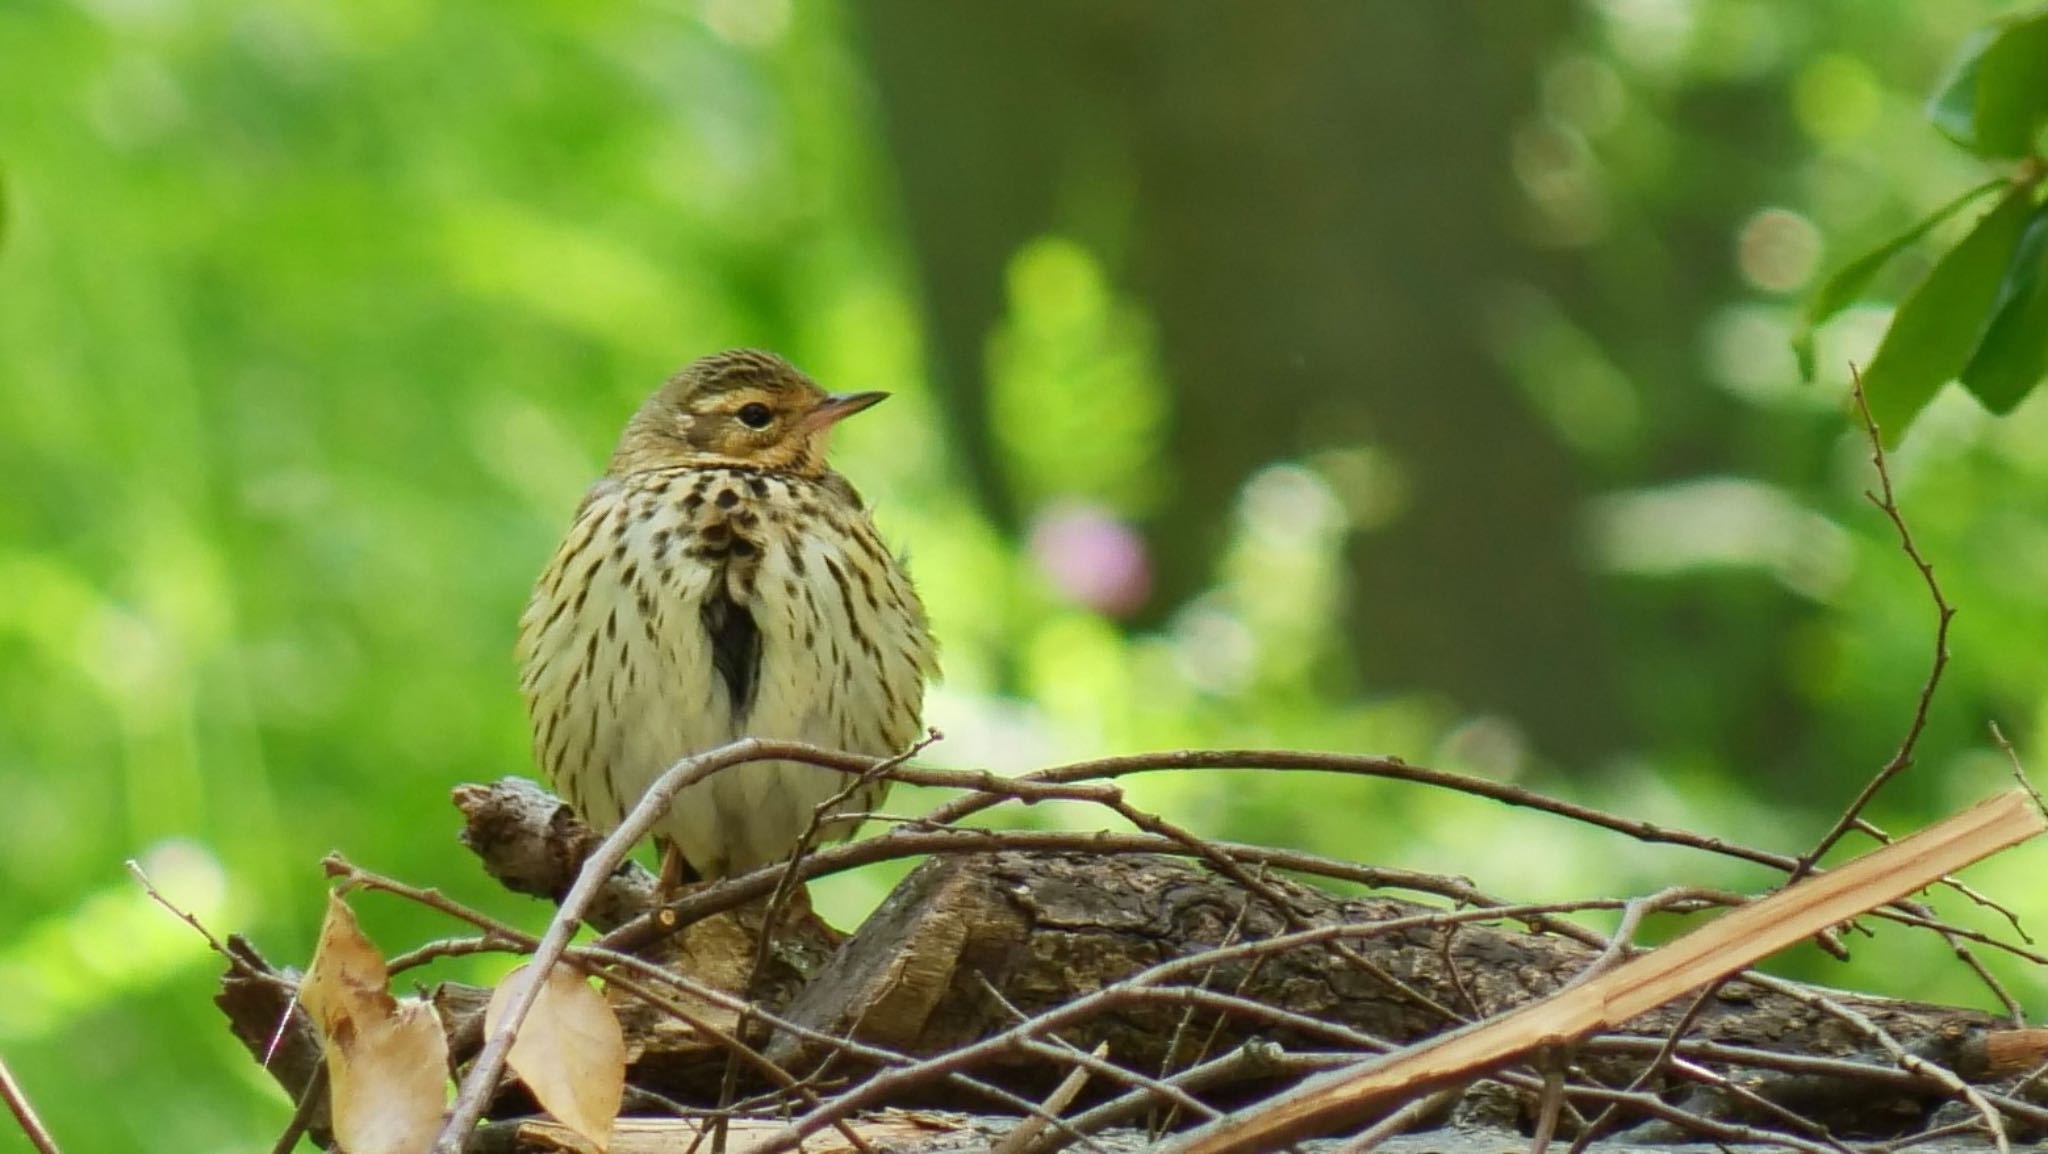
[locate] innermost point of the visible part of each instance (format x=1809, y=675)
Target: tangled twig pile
x=995, y=968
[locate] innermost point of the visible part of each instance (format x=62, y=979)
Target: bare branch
x=24, y=1112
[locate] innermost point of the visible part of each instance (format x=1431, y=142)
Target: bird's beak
x=836, y=407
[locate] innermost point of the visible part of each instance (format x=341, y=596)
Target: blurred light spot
x=137, y=13
x=1836, y=98
x=1557, y=171
x=135, y=102
x=1747, y=349
x=747, y=23
x=1283, y=583
x=188, y=874
x=1952, y=424
x=1003, y=734
x=577, y=275
x=1849, y=339
x=1369, y=482
x=1720, y=522
x=1584, y=93
x=1077, y=401
x=1738, y=39
x=47, y=603
x=289, y=493
x=1654, y=35
x=125, y=653
x=304, y=676
x=1777, y=250
x=283, y=40
x=1835, y=184
x=1290, y=507
x=116, y=941
x=1563, y=372
x=1074, y=666
x=527, y=449
x=1489, y=745
x=966, y=572
x=1092, y=558
x=1214, y=650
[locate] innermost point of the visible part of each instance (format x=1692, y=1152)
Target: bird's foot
x=675, y=874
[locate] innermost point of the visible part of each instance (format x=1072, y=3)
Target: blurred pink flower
x=1092, y=557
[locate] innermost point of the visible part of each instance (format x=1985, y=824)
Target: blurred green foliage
x=316, y=319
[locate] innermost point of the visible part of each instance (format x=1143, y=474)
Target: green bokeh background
x=1437, y=357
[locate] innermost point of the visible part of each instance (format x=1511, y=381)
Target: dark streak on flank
x=845, y=592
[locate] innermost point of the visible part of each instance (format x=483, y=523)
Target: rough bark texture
x=1042, y=930
x=261, y=1004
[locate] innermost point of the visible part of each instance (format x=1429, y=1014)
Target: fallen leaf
x=347, y=978
x=570, y=1051
x=387, y=1059
x=390, y=1088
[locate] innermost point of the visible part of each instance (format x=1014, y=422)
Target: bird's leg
x=670, y=882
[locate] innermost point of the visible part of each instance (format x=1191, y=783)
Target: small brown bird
x=722, y=582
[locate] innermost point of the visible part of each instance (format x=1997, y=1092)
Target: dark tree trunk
x=1319, y=215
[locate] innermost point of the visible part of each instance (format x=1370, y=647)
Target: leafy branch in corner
x=1980, y=315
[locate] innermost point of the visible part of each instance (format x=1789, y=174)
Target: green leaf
x=1994, y=101
x=1953, y=107
x=1842, y=289
x=2012, y=90
x=2013, y=355
x=1938, y=325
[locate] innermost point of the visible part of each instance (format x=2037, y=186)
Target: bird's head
x=744, y=409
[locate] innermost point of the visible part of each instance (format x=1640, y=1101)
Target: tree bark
x=1316, y=206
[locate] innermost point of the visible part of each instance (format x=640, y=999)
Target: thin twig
x=1887, y=503
x=302, y=1110
x=1027, y=1130
x=778, y=901
x=1932, y=1134
x=1061, y=1050
x=1400, y=1121
x=24, y=1112
x=1758, y=1102
x=240, y=964
x=1908, y=1061
x=310, y=1100
x=1073, y=782
x=1162, y=1123
x=1550, y=1103
x=2019, y=772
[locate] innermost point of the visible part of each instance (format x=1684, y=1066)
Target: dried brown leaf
x=570, y=1051
x=387, y=1059
x=347, y=980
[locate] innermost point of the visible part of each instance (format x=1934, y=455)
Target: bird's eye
x=755, y=415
